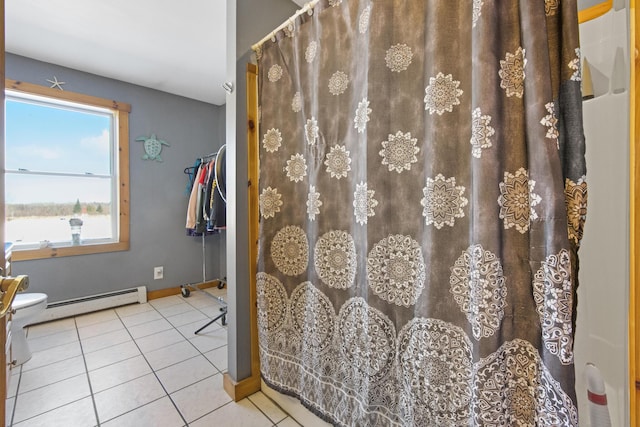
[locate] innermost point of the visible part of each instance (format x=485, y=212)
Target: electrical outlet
x=158, y=273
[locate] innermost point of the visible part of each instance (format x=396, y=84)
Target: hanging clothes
x=192, y=207
x=206, y=210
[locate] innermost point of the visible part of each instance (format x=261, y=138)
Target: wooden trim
x=177, y=290
x=26, y=255
x=5, y=367
x=121, y=111
x=253, y=142
x=594, y=11
x=65, y=95
x=248, y=386
x=634, y=220
x=239, y=390
x=123, y=177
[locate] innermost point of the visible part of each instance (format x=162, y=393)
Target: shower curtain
x=422, y=198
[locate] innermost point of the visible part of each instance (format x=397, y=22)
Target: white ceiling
x=173, y=46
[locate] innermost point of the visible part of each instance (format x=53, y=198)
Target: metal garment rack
x=186, y=289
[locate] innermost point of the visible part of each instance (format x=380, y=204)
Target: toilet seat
x=27, y=300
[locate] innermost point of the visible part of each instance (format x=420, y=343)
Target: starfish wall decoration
x=55, y=83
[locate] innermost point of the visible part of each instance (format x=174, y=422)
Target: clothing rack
x=218, y=155
x=186, y=289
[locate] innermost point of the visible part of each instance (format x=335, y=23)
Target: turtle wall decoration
x=152, y=147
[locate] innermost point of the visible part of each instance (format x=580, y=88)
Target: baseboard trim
x=176, y=290
x=239, y=390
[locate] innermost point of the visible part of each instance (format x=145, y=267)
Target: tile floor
x=137, y=365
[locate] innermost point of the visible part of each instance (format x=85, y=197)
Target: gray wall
x=247, y=22
x=157, y=192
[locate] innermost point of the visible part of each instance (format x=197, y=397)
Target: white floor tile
x=166, y=301
x=8, y=410
x=201, y=398
x=149, y=328
x=13, y=384
x=217, y=292
x=160, y=412
x=130, y=310
x=125, y=397
x=188, y=317
x=79, y=413
x=53, y=340
x=212, y=311
x=189, y=329
x=44, y=399
x=100, y=328
x=126, y=390
x=110, y=355
x=96, y=317
x=210, y=340
x=175, y=309
x=52, y=373
x=200, y=300
x=185, y=373
x=266, y=405
x=240, y=414
x=51, y=327
x=159, y=340
x=109, y=339
x=288, y=422
x=118, y=373
x=52, y=355
x=219, y=358
x=140, y=318
x=294, y=408
x=170, y=355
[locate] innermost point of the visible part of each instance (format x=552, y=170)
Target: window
x=66, y=172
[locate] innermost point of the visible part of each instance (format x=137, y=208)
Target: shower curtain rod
x=307, y=7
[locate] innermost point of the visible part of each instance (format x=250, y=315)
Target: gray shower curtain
x=422, y=200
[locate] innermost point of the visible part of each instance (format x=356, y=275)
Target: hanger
x=190, y=170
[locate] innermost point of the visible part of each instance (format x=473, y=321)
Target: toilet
x=27, y=307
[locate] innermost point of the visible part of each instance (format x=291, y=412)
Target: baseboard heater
x=76, y=306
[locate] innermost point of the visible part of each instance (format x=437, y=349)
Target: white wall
x=601, y=333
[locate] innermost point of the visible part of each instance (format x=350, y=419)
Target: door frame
x=634, y=218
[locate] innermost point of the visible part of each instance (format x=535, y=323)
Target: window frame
x=121, y=113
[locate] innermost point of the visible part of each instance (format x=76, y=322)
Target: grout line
x=216, y=371
x=287, y=415
x=134, y=409
x=200, y=353
x=48, y=333
x=101, y=335
x=53, y=409
x=291, y=418
x=111, y=364
x=263, y=412
x=156, y=375
x=47, y=385
x=55, y=361
x=86, y=370
x=188, y=341
x=15, y=398
x=211, y=411
x=202, y=416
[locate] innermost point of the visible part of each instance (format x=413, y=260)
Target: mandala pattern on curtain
x=422, y=200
